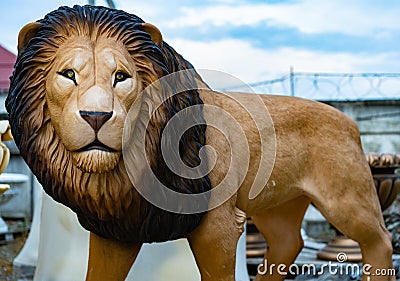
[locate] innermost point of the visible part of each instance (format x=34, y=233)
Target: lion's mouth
x=96, y=158
x=96, y=145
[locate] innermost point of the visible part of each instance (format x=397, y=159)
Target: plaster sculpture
x=91, y=103
x=5, y=135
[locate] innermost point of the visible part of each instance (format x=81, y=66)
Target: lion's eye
x=120, y=76
x=68, y=73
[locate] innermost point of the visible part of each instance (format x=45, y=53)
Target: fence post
x=291, y=77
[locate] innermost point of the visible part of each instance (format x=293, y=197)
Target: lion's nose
x=96, y=119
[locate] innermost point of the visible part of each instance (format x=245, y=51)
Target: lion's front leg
x=214, y=243
x=110, y=259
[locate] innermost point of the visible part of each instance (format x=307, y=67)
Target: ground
x=10, y=246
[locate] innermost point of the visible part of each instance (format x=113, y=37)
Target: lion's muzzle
x=96, y=119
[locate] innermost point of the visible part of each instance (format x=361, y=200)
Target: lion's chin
x=96, y=161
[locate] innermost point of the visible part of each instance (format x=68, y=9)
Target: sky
x=255, y=40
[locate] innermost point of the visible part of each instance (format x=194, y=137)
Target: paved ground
x=8, y=251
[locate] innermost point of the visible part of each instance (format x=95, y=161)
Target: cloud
x=250, y=64
x=309, y=16
x=240, y=56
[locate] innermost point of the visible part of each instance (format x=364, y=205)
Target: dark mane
x=121, y=213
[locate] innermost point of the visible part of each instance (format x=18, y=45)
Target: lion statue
x=92, y=118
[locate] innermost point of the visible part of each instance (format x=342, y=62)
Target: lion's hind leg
x=348, y=200
x=280, y=227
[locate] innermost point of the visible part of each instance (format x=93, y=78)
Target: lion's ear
x=26, y=34
x=154, y=33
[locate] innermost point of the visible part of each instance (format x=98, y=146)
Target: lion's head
x=77, y=74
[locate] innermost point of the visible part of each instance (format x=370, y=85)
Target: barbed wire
x=331, y=86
